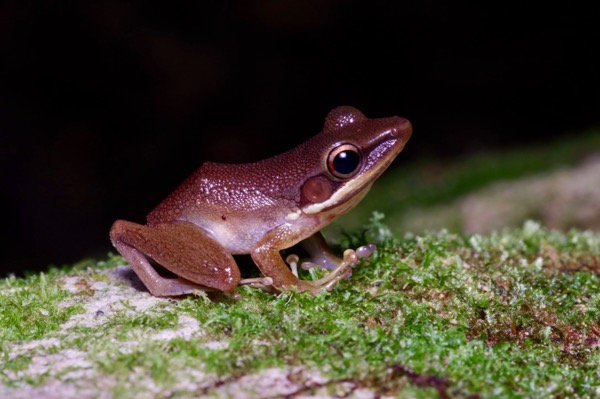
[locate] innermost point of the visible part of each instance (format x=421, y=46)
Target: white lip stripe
x=334, y=199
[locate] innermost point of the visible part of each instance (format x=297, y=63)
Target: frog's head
x=354, y=152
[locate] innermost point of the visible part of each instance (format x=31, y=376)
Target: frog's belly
x=237, y=235
x=241, y=239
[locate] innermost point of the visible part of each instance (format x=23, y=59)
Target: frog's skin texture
x=261, y=208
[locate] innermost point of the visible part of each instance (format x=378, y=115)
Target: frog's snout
x=403, y=128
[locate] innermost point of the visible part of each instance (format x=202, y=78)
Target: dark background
x=105, y=107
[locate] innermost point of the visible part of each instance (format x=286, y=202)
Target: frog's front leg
x=268, y=259
x=183, y=248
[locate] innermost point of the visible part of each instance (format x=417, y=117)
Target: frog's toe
x=365, y=250
x=350, y=259
x=264, y=283
x=292, y=260
x=310, y=265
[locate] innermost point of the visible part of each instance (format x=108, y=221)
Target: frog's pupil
x=346, y=162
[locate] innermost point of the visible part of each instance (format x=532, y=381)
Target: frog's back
x=273, y=185
x=228, y=189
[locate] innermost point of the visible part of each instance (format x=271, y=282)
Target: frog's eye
x=344, y=161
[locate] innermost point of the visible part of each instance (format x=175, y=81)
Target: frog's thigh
x=180, y=247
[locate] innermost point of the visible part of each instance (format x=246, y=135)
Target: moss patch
x=514, y=313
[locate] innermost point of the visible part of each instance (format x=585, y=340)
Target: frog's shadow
x=126, y=275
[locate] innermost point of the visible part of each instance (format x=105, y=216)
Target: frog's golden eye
x=344, y=161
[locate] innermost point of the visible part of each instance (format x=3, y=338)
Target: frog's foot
x=332, y=262
x=343, y=270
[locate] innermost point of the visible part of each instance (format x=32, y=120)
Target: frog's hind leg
x=154, y=282
x=180, y=247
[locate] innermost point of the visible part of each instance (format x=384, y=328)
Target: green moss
x=31, y=307
x=515, y=313
x=509, y=314
x=485, y=312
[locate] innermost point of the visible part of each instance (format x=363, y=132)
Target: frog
x=262, y=208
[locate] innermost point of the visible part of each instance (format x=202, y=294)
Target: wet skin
x=261, y=208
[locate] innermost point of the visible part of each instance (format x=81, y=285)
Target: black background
x=105, y=107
